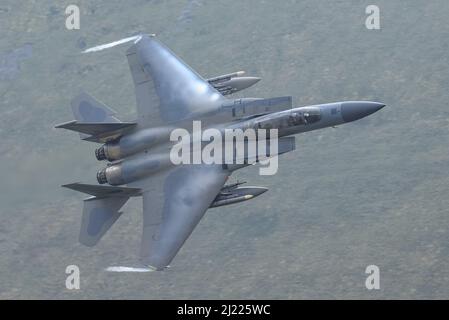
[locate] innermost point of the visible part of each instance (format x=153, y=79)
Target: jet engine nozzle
x=132, y=143
x=126, y=171
x=100, y=153
x=101, y=176
x=112, y=175
x=110, y=151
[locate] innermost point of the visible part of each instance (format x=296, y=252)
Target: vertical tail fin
x=99, y=214
x=102, y=210
x=87, y=110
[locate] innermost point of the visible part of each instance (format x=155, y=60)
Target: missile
x=236, y=194
x=226, y=77
x=233, y=82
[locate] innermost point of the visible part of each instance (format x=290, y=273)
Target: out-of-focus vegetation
x=372, y=192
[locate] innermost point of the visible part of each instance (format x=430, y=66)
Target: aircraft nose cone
x=354, y=110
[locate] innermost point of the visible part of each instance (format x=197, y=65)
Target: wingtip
x=64, y=124
x=70, y=185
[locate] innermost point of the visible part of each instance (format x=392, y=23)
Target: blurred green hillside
x=371, y=192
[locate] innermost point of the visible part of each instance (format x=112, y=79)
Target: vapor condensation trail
x=112, y=44
x=127, y=269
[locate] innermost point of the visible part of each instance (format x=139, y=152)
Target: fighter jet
x=169, y=95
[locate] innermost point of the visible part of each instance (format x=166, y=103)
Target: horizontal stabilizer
x=104, y=191
x=94, y=120
x=102, y=210
x=98, y=131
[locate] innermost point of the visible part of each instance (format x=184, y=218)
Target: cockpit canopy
x=297, y=117
x=303, y=116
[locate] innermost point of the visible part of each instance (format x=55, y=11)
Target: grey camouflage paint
x=169, y=94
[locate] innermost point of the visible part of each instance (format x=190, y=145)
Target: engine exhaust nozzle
x=101, y=176
x=100, y=154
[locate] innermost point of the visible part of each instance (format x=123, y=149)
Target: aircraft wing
x=174, y=202
x=167, y=89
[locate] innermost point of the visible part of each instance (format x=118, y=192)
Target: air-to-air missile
x=233, y=193
x=232, y=82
